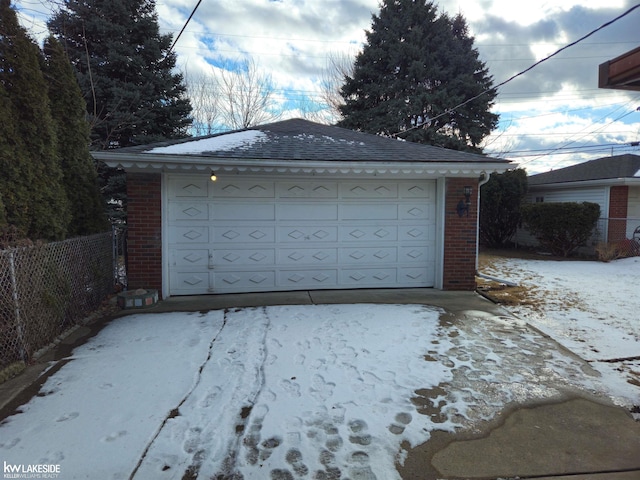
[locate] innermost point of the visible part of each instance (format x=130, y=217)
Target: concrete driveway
x=534, y=409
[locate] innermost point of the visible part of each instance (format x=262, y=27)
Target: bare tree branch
x=246, y=95
x=339, y=67
x=203, y=91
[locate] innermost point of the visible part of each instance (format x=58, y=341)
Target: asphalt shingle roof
x=620, y=166
x=299, y=140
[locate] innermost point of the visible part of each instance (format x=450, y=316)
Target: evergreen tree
x=500, y=201
x=3, y=216
x=68, y=110
x=32, y=179
x=415, y=66
x=124, y=70
x=11, y=192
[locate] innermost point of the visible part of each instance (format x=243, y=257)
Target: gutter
x=603, y=182
x=191, y=163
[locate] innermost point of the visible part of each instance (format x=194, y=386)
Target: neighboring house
x=611, y=182
x=297, y=206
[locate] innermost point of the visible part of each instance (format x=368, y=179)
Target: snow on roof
x=222, y=142
x=637, y=174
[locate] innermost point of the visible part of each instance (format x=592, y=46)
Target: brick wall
x=618, y=202
x=144, y=239
x=460, y=236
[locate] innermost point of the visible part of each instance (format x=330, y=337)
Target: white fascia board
x=606, y=182
x=176, y=163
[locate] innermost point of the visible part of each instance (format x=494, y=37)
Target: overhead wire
x=182, y=29
x=526, y=70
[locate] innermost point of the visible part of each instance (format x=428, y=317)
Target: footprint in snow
x=360, y=469
x=294, y=458
x=114, y=436
x=359, y=435
x=402, y=419
x=209, y=398
x=290, y=387
x=67, y=416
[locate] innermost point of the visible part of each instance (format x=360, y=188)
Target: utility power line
x=526, y=70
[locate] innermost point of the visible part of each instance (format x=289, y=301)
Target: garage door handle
x=210, y=261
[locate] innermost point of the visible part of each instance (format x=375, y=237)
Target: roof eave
x=604, y=182
x=147, y=162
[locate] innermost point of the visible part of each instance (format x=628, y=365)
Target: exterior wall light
x=213, y=176
x=463, y=205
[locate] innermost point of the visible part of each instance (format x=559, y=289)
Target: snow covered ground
x=317, y=391
x=591, y=308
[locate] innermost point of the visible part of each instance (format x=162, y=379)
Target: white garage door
x=253, y=234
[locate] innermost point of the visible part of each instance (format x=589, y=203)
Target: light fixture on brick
x=463, y=205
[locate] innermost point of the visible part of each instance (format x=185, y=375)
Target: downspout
x=484, y=178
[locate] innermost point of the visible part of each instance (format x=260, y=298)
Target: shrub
x=500, y=201
x=561, y=227
x=607, y=251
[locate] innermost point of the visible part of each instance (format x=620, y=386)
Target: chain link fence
x=622, y=234
x=45, y=289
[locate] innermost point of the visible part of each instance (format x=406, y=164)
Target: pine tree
x=32, y=192
x=125, y=71
x=415, y=66
x=500, y=201
x=68, y=110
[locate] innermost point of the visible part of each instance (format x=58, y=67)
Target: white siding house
x=611, y=182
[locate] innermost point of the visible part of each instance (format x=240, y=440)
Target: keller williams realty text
x=30, y=471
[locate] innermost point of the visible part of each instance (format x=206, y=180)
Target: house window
x=539, y=199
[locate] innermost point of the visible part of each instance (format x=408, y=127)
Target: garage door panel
x=415, y=276
x=307, y=256
x=416, y=233
x=300, y=234
x=421, y=254
x=416, y=212
x=244, y=281
x=369, y=190
x=366, y=211
x=189, y=235
x=368, y=255
x=243, y=189
x=189, y=186
x=243, y=257
x=190, y=258
x=369, y=233
x=424, y=190
x=302, y=189
x=189, y=211
x=235, y=234
x=368, y=277
x=190, y=282
x=307, y=211
x=303, y=279
x=244, y=211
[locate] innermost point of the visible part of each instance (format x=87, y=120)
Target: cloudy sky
x=550, y=117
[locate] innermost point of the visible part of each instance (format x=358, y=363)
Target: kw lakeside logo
x=38, y=470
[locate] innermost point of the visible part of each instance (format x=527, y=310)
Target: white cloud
x=292, y=40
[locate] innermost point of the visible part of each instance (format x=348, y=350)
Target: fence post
x=16, y=306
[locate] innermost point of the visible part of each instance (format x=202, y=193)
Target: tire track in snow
x=249, y=420
x=176, y=411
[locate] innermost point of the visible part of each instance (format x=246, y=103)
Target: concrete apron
x=577, y=439
x=574, y=437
